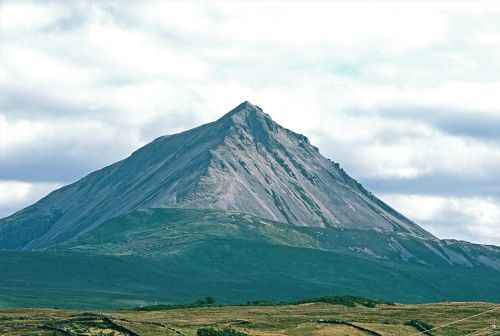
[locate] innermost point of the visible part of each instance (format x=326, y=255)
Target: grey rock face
x=243, y=162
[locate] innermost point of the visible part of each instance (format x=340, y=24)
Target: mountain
x=243, y=162
x=240, y=208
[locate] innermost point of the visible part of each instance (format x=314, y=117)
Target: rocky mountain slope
x=243, y=162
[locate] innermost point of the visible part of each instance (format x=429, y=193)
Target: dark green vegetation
x=172, y=255
x=311, y=319
x=422, y=326
x=219, y=332
x=348, y=301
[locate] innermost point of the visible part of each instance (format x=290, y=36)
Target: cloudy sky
x=406, y=96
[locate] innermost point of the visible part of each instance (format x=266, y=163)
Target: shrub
x=219, y=332
x=208, y=300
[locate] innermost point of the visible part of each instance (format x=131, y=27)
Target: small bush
x=208, y=300
x=264, y=303
x=219, y=332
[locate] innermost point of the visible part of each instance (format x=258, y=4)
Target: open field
x=295, y=320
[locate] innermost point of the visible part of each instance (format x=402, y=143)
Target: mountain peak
x=250, y=121
x=247, y=104
x=244, y=162
x=244, y=109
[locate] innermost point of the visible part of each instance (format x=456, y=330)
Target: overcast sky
x=405, y=96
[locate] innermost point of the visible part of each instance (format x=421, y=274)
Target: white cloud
x=474, y=218
x=300, y=23
x=60, y=150
x=135, y=51
x=376, y=145
x=85, y=83
x=15, y=195
x=23, y=63
x=26, y=17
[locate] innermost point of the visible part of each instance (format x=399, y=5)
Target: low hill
x=177, y=255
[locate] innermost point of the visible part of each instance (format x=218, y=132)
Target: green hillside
x=177, y=255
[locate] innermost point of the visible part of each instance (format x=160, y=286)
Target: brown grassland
x=295, y=320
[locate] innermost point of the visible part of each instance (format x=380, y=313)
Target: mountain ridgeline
x=243, y=162
x=240, y=208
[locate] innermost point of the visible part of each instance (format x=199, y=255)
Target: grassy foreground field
x=295, y=320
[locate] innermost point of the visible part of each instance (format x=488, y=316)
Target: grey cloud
x=20, y=102
x=459, y=123
x=62, y=157
x=74, y=16
x=450, y=223
x=437, y=184
x=480, y=127
x=53, y=162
